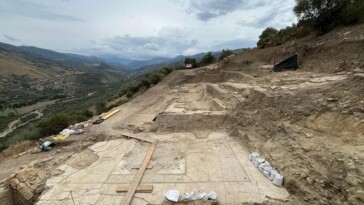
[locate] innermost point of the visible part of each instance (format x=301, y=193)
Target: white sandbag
x=212, y=195
x=273, y=174
x=278, y=180
x=266, y=174
x=172, y=195
x=203, y=196
x=268, y=168
x=67, y=131
x=258, y=161
x=196, y=195
x=190, y=196
x=253, y=156
x=254, y=161
x=261, y=167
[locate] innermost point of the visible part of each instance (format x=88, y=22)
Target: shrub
x=87, y=113
x=54, y=124
x=207, y=59
x=272, y=37
x=267, y=35
x=225, y=53
x=145, y=82
x=100, y=108
x=129, y=94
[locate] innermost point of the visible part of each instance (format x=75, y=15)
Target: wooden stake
x=72, y=198
x=140, y=189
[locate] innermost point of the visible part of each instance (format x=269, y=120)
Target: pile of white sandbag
x=267, y=170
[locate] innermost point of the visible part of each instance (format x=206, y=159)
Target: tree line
x=207, y=59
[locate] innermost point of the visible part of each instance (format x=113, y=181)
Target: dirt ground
x=308, y=123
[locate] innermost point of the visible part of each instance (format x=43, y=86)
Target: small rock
x=14, y=182
x=332, y=99
x=309, y=180
x=26, y=193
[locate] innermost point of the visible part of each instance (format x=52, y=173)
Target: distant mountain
x=152, y=63
x=45, y=54
x=178, y=60
x=131, y=64
x=112, y=61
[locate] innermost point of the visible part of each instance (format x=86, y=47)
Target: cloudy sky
x=140, y=29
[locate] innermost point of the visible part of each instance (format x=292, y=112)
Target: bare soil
x=307, y=123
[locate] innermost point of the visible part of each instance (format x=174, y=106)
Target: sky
x=140, y=29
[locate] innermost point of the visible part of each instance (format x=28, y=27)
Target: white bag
x=278, y=180
x=253, y=156
x=266, y=174
x=172, y=195
x=268, y=168
x=258, y=161
x=212, y=195
x=261, y=167
x=272, y=175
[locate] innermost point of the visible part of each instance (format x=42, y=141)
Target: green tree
x=324, y=15
x=207, y=59
x=225, y=53
x=267, y=35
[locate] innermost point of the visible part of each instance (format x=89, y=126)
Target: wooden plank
x=109, y=114
x=137, y=138
x=138, y=177
x=140, y=189
x=138, y=166
x=61, y=137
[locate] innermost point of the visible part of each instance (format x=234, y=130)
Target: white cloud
x=140, y=29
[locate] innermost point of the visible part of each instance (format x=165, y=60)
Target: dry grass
x=16, y=149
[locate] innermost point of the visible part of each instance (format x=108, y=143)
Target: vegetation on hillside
x=64, y=114
x=191, y=61
x=323, y=15
x=207, y=59
x=145, y=82
x=224, y=54
x=319, y=16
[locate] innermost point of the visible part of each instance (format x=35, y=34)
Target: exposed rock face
x=27, y=184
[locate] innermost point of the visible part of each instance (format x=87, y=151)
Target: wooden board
x=61, y=137
x=137, y=138
x=109, y=114
x=138, y=166
x=140, y=189
x=138, y=177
